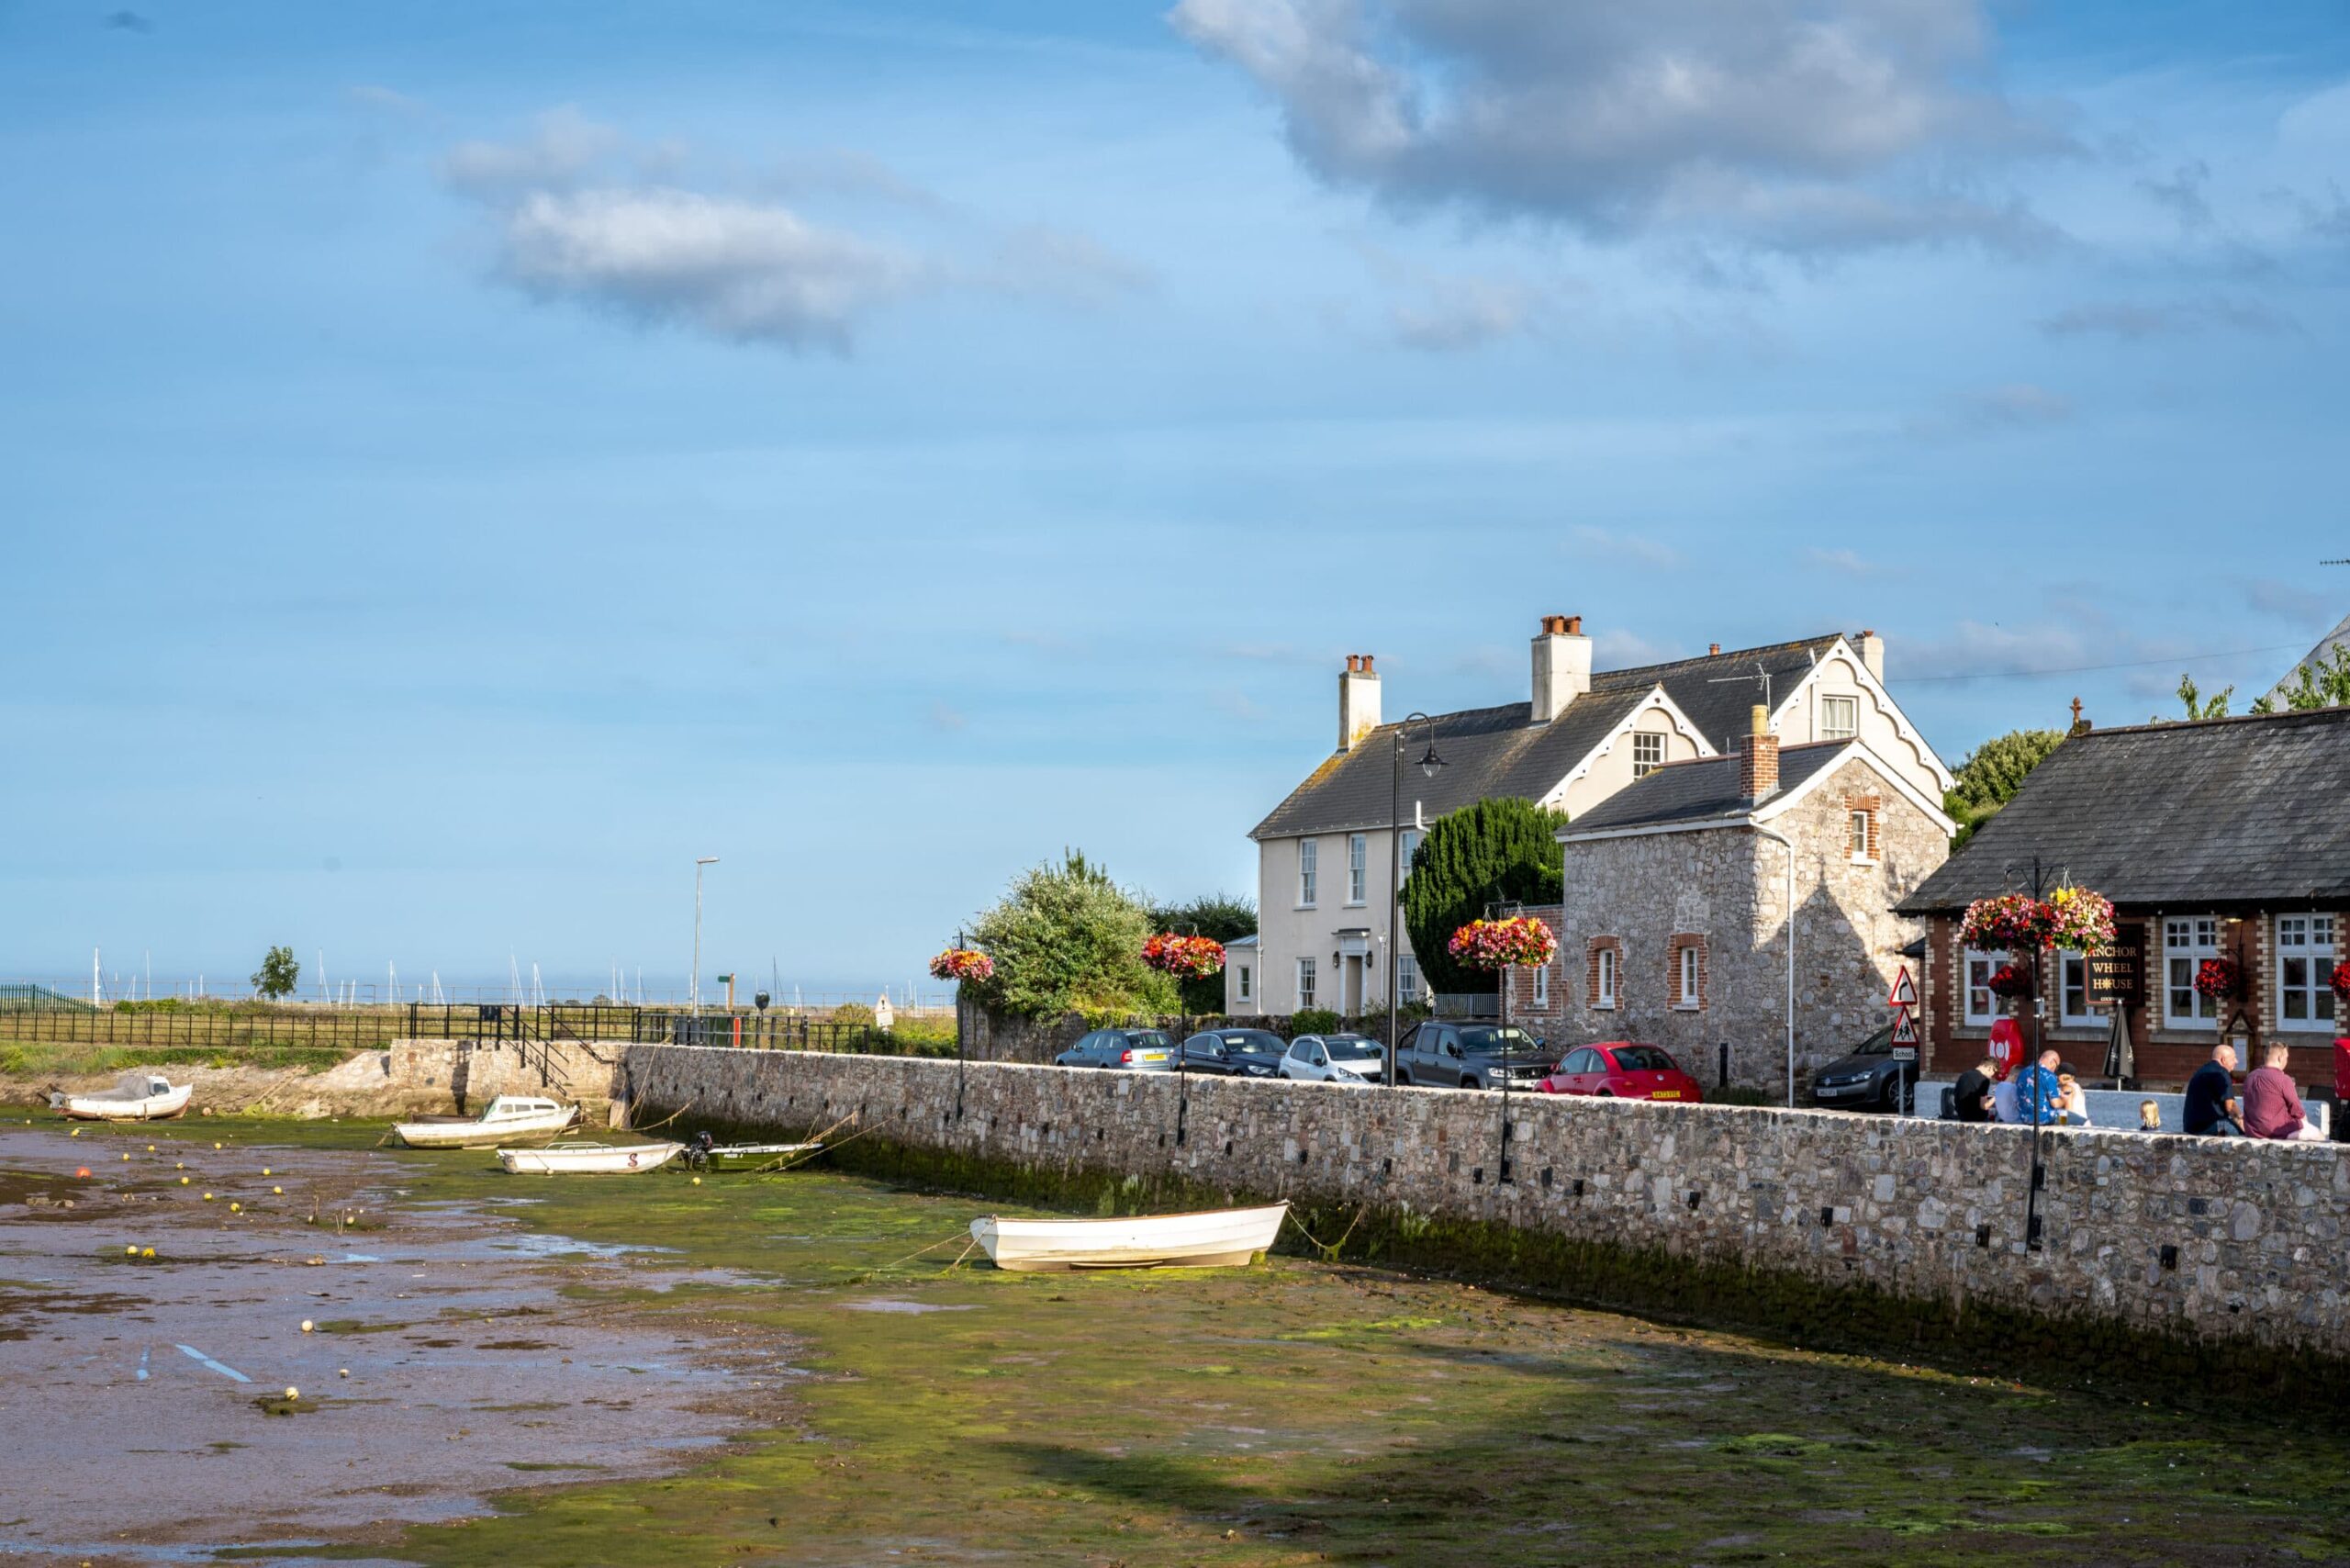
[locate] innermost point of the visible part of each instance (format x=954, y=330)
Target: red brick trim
x=1591, y=963
x=1674, y=945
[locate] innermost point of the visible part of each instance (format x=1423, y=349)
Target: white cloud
x=1805, y=126
x=2138, y=323
x=1848, y=562
x=580, y=213
x=1604, y=543
x=2019, y=405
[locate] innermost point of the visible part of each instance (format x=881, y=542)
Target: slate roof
x=1492, y=752
x=1701, y=792
x=2253, y=810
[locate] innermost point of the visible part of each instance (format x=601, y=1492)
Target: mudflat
x=796, y=1369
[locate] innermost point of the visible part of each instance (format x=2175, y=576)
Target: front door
x=1350, y=988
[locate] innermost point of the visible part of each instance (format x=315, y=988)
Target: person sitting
x=2003, y=1102
x=2038, y=1098
x=2072, y=1100
x=2272, y=1102
x=2150, y=1116
x=1970, y=1098
x=2211, y=1097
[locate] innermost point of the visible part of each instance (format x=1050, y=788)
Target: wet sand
x=144, y=1419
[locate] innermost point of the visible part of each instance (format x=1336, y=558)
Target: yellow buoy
x=77, y=1132
x=292, y=1392
x=264, y=1169
x=183, y=1180
x=343, y=1372
x=697, y=1181
x=126, y=1157
x=130, y=1251
x=150, y=1149
x=279, y=1191
x=216, y=1145
x=236, y=1208
x=148, y=1253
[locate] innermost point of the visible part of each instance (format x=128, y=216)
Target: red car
x=1622, y=1070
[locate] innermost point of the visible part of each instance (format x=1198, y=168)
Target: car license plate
x=1666, y=1094
x=1150, y=1055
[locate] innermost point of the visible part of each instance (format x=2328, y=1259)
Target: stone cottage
x=1675, y=927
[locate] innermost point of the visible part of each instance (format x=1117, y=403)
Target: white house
x=1328, y=855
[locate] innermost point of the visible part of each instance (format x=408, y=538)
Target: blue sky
x=465, y=461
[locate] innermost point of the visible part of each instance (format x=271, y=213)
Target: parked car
x=1870, y=1079
x=1234, y=1053
x=1137, y=1050
x=1620, y=1069
x=1442, y=1055
x=1335, y=1059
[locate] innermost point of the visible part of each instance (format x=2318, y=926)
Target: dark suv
x=1234, y=1053
x=1441, y=1055
x=1137, y=1050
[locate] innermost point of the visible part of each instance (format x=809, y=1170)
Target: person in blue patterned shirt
x=2036, y=1086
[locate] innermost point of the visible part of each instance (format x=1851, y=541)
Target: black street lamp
x=1430, y=763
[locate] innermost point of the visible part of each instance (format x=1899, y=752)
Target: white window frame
x=1646, y=740
x=2181, y=959
x=1861, y=823
x=1358, y=870
x=1306, y=976
x=1407, y=978
x=1689, y=971
x=1830, y=703
x=1975, y=968
x=1408, y=844
x=1541, y=985
x=1309, y=873
x=1245, y=974
x=2316, y=947
x=2072, y=975
x=1607, y=960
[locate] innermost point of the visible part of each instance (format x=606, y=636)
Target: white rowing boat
x=588, y=1159
x=504, y=1120
x=1217, y=1238
x=137, y=1096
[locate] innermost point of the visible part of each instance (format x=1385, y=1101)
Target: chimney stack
x=1561, y=666
x=1358, y=700
x=1873, y=655
x=1758, y=762
x=1712, y=649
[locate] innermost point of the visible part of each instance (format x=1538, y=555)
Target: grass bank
x=57, y=1059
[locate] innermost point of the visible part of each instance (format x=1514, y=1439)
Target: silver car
x=1335, y=1059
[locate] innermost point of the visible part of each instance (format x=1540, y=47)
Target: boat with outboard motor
x=508, y=1118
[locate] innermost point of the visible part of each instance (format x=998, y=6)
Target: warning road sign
x=1905, y=990
x=1905, y=1027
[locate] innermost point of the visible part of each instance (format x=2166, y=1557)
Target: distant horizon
x=459, y=988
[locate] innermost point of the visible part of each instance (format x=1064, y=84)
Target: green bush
x=1495, y=851
x=1315, y=1021
x=851, y=1012
x=1068, y=939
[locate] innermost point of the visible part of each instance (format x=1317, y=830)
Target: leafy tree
x=278, y=974
x=1991, y=774
x=2199, y=706
x=1494, y=851
x=2320, y=683
x=1224, y=917
x=1069, y=939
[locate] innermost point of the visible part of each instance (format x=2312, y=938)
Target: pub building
x=2216, y=839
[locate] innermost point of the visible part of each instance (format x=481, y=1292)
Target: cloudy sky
x=466, y=460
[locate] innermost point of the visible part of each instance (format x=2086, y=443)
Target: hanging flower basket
x=962, y=964
x=1519, y=942
x=2011, y=981
x=1185, y=958
x=2012, y=923
x=2341, y=979
x=2218, y=979
x=2080, y=921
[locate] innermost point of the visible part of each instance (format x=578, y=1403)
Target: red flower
x=1185, y=958
x=2010, y=980
x=2218, y=979
x=1521, y=942
x=2341, y=979
x=962, y=964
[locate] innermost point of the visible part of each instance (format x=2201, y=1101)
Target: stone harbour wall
x=2208, y=1258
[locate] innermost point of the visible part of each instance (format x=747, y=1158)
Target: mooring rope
x=1329, y=1250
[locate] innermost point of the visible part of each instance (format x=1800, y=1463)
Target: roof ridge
x=2318, y=715
x=1789, y=645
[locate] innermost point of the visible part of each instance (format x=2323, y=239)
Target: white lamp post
x=693, y=985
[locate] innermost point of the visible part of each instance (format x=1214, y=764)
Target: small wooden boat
x=750, y=1156
x=137, y=1096
x=506, y=1119
x=1217, y=1238
x=588, y=1159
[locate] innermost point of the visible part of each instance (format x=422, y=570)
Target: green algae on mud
x=1304, y=1411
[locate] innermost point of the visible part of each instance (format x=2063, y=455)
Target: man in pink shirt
x=2272, y=1105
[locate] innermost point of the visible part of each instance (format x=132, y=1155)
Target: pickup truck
x=1441, y=1055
